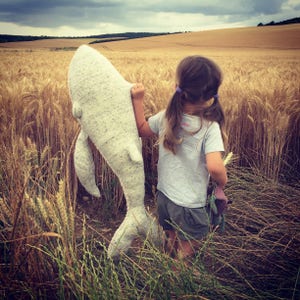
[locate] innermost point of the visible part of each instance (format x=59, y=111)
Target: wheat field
x=52, y=234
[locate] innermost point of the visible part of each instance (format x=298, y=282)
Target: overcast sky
x=90, y=17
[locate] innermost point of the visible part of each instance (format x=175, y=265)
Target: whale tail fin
x=137, y=222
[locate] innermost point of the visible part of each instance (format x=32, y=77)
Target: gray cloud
x=56, y=13
x=86, y=14
x=268, y=7
x=211, y=7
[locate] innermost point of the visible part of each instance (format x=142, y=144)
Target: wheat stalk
x=5, y=212
x=228, y=158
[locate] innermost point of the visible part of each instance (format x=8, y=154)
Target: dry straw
x=260, y=251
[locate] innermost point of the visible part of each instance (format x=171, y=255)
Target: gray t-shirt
x=183, y=177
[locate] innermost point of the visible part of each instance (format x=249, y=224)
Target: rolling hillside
x=269, y=37
x=276, y=37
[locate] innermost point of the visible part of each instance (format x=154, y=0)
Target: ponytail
x=174, y=113
x=215, y=113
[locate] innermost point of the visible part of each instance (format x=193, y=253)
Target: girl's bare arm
x=137, y=96
x=216, y=168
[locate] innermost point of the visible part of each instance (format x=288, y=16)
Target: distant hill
x=267, y=37
x=285, y=22
x=231, y=39
x=4, y=38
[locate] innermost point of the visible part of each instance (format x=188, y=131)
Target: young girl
x=191, y=143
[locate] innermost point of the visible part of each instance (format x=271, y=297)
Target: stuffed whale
x=101, y=103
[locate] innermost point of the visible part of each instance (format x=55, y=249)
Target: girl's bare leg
x=171, y=242
x=186, y=248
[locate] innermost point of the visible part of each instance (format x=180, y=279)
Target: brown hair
x=198, y=80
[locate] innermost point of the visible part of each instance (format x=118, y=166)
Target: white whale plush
x=101, y=102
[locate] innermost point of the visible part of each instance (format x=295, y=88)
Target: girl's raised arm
x=137, y=96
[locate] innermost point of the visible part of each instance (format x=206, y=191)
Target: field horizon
x=283, y=37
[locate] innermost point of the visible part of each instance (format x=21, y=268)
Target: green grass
x=256, y=258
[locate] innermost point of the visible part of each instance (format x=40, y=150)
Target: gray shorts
x=190, y=223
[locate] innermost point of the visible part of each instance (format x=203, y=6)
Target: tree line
x=285, y=22
x=4, y=38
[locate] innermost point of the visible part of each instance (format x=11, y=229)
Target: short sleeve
x=213, y=141
x=155, y=122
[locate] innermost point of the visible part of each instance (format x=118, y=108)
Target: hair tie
x=178, y=90
x=216, y=97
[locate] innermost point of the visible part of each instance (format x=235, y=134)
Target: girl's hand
x=137, y=96
x=138, y=92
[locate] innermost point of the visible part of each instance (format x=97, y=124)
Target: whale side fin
x=84, y=165
x=135, y=153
